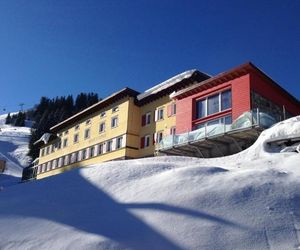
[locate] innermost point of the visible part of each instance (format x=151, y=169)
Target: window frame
x=103, y=114
x=147, y=141
x=205, y=102
x=115, y=109
x=102, y=131
x=119, y=142
x=113, y=119
x=76, y=136
x=87, y=136
x=109, y=145
x=65, y=143
x=148, y=118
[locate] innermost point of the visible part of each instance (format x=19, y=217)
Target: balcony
x=219, y=139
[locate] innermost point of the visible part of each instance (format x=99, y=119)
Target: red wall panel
x=265, y=88
x=240, y=102
x=240, y=96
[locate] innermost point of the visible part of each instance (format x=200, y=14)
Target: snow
x=13, y=147
x=245, y=201
x=45, y=138
x=166, y=84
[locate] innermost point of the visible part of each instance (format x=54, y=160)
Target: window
x=227, y=120
x=102, y=127
x=83, y=154
x=159, y=136
x=201, y=108
x=147, y=141
x=59, y=145
x=226, y=100
x=65, y=143
x=109, y=146
x=60, y=162
x=66, y=132
x=52, y=148
x=92, y=151
x=171, y=109
x=100, y=149
x=87, y=133
x=88, y=122
x=48, y=165
x=76, y=138
x=44, y=167
x=47, y=150
x=54, y=164
x=148, y=118
x=74, y=157
x=213, y=122
x=102, y=114
x=114, y=122
x=159, y=114
x=67, y=160
x=115, y=109
x=173, y=131
x=213, y=104
x=119, y=142
x=42, y=152
x=77, y=127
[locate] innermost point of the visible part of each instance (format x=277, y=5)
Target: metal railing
x=250, y=119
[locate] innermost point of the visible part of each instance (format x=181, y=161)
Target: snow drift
x=14, y=147
x=246, y=201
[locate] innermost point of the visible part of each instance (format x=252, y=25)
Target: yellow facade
x=156, y=125
x=126, y=129
x=54, y=159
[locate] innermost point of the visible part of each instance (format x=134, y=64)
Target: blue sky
x=54, y=48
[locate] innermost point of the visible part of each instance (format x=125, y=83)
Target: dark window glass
x=201, y=108
x=213, y=104
x=226, y=99
x=109, y=146
x=119, y=142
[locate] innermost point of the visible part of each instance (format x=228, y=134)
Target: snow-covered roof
x=45, y=138
x=166, y=84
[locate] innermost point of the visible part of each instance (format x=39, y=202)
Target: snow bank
x=247, y=201
x=14, y=147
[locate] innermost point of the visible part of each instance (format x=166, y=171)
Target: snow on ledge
x=166, y=84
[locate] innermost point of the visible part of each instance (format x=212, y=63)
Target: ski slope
x=250, y=200
x=14, y=147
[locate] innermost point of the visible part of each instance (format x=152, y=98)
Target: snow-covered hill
x=14, y=147
x=247, y=201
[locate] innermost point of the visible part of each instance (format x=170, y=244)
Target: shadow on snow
x=73, y=201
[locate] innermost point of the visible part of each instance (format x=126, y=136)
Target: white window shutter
x=156, y=115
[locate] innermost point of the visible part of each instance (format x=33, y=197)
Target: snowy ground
x=247, y=201
x=13, y=147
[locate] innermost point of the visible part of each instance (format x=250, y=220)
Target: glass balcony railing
x=253, y=118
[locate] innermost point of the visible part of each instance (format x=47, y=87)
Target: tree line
x=49, y=112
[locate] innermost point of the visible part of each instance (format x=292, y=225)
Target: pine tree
x=20, y=120
x=8, y=119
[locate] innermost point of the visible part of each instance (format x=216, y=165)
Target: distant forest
x=48, y=113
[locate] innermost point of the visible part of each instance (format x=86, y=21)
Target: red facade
x=241, y=81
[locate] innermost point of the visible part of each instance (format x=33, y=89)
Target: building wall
x=265, y=88
x=126, y=122
x=240, y=96
x=186, y=108
x=164, y=125
x=105, y=157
